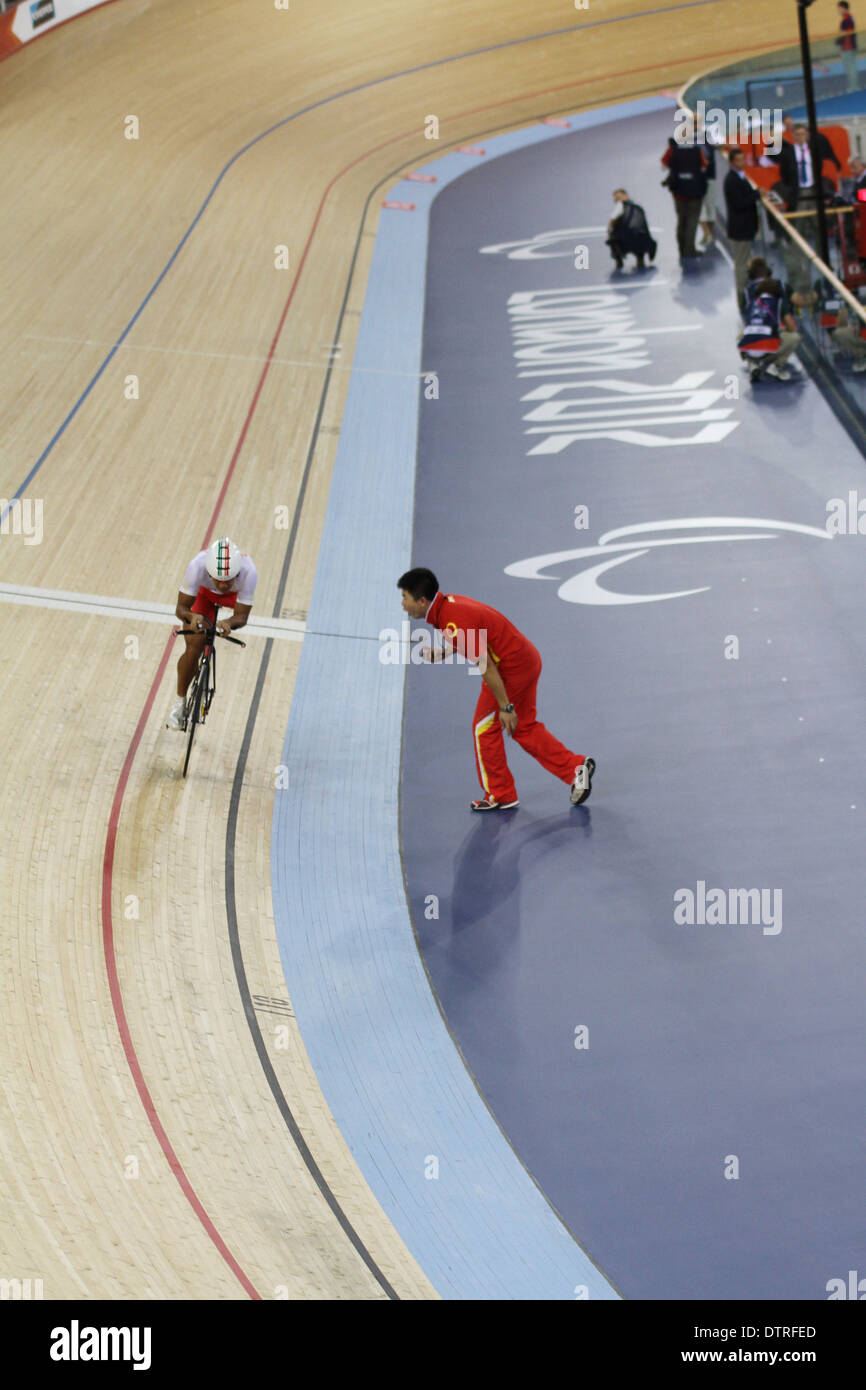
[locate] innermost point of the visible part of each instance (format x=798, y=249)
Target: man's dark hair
x=770, y=286
x=758, y=267
x=420, y=583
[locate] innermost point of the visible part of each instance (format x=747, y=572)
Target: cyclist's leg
x=188, y=663
x=189, y=658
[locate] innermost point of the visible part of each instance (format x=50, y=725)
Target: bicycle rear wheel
x=199, y=692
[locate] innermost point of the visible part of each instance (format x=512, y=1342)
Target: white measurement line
x=220, y=356
x=106, y=606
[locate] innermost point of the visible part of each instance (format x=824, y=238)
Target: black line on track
x=232, y=822
x=249, y=1008
x=243, y=756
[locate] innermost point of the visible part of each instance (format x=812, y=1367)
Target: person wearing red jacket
x=510, y=667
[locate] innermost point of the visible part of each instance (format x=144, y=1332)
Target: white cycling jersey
x=197, y=577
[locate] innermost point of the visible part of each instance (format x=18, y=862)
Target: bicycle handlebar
x=199, y=632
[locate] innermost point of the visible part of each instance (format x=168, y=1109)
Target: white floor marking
x=108, y=606
x=219, y=356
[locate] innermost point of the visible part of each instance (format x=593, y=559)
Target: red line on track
x=117, y=996
x=123, y=780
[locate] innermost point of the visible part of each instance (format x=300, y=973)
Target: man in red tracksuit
x=510, y=666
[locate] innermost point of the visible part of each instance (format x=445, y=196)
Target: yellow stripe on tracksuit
x=481, y=728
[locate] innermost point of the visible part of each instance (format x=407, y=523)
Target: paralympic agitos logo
x=583, y=586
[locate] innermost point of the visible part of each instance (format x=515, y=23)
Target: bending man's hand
x=508, y=721
x=438, y=653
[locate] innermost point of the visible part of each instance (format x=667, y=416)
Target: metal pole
x=817, y=162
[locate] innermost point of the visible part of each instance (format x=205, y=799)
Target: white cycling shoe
x=175, y=718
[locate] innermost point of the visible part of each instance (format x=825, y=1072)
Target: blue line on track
x=388, y=1067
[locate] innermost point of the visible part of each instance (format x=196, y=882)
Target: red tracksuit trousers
x=494, y=773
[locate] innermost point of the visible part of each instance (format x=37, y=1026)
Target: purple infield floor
x=660, y=995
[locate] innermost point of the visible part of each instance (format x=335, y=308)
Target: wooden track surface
x=92, y=1203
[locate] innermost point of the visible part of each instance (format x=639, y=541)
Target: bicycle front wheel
x=194, y=710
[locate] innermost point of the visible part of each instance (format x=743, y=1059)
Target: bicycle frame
x=202, y=687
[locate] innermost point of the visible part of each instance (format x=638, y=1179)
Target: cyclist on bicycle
x=220, y=577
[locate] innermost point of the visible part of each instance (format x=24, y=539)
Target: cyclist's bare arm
x=184, y=609
x=239, y=616
x=238, y=619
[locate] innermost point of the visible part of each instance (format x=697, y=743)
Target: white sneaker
x=860, y=364
x=175, y=718
x=779, y=372
x=582, y=784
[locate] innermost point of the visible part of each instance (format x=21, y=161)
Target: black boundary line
x=243, y=756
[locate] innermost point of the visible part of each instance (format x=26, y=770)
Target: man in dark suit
x=857, y=182
x=798, y=184
x=858, y=170
x=741, y=204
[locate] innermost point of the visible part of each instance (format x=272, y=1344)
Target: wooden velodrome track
x=148, y=1150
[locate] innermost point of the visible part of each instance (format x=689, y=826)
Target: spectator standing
x=847, y=42
x=825, y=149
x=855, y=192
x=798, y=185
x=741, y=204
x=797, y=172
x=708, y=207
x=687, y=181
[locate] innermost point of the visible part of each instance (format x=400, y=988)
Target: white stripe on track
x=325, y=361
x=106, y=606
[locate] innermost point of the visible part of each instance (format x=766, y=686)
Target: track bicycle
x=202, y=687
